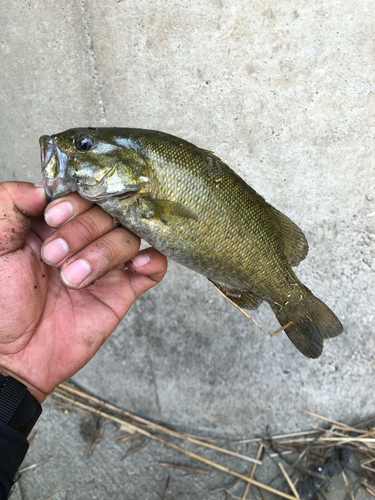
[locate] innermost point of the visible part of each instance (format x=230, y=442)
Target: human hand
x=51, y=322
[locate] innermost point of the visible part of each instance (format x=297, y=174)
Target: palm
x=48, y=331
x=66, y=326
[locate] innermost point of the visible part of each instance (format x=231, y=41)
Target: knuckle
x=117, y=245
x=129, y=242
x=109, y=250
x=86, y=228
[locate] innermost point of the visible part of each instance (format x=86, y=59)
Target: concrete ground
x=281, y=91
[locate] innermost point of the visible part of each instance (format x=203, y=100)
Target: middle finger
x=88, y=246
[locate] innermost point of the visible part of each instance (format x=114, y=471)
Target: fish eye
x=84, y=143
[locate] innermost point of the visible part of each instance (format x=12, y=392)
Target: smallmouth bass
x=193, y=208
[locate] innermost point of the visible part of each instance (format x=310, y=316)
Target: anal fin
x=245, y=300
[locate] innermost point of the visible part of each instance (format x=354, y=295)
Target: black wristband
x=19, y=411
x=18, y=408
x=13, y=447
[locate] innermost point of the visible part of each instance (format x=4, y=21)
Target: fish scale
x=192, y=207
x=228, y=229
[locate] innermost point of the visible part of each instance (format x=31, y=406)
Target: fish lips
x=54, y=166
x=47, y=149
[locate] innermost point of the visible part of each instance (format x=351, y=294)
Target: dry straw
x=290, y=323
x=309, y=449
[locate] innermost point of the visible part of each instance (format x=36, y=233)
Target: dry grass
x=290, y=323
x=300, y=455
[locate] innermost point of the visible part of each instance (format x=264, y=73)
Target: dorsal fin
x=212, y=154
x=294, y=242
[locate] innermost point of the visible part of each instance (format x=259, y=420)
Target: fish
x=192, y=207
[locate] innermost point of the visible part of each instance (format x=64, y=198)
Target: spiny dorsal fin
x=295, y=245
x=212, y=154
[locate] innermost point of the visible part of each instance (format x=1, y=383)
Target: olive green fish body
x=193, y=208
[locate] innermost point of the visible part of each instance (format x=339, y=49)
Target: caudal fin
x=313, y=321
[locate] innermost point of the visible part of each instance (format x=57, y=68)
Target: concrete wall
x=283, y=92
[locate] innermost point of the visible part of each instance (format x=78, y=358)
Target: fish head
x=95, y=162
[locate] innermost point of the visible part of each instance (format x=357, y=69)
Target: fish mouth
x=54, y=164
x=59, y=181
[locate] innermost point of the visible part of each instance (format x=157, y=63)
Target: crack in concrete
x=155, y=386
x=93, y=62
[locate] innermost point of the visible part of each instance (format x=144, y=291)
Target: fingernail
x=55, y=251
x=140, y=260
x=76, y=272
x=59, y=213
x=39, y=184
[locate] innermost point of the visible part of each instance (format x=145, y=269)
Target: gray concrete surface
x=281, y=91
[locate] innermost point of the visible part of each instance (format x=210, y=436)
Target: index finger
x=60, y=211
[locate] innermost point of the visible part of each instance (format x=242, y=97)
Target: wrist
x=34, y=391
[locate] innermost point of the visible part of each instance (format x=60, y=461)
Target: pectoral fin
x=165, y=210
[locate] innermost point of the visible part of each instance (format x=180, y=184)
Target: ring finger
x=107, y=252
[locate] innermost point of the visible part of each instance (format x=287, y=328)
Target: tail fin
x=313, y=321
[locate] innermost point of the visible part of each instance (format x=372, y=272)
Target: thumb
x=19, y=200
